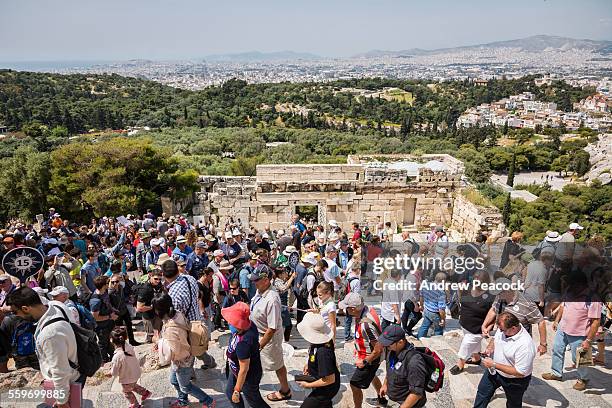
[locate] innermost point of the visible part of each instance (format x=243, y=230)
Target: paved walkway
x=458, y=391
x=535, y=177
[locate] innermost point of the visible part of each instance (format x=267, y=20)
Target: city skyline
x=42, y=31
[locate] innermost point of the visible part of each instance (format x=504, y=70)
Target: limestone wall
x=469, y=219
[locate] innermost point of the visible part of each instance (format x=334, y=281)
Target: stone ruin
x=409, y=192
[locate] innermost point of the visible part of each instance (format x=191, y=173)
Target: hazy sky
x=34, y=30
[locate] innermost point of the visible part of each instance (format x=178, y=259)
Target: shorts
x=362, y=377
x=272, y=354
x=470, y=344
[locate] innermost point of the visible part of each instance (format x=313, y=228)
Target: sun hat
x=237, y=315
x=333, y=223
x=163, y=258
x=552, y=236
x=314, y=330
x=209, y=237
x=218, y=252
x=289, y=250
x=155, y=242
x=236, y=232
x=225, y=265
x=181, y=239
x=229, y=235
x=309, y=258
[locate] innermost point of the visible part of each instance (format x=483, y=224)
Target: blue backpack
x=86, y=319
x=23, y=339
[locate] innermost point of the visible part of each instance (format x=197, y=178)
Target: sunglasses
x=114, y=282
x=234, y=288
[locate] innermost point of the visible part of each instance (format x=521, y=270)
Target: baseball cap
x=155, y=242
x=58, y=290
x=352, y=299
x=236, y=232
x=392, y=334
x=200, y=244
x=4, y=277
x=575, y=226
x=260, y=272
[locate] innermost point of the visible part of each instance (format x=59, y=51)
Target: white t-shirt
x=326, y=309
x=390, y=297
x=518, y=351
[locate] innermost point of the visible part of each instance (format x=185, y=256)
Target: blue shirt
x=90, y=270
x=434, y=300
x=245, y=282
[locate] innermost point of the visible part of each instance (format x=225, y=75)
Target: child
x=325, y=305
x=126, y=366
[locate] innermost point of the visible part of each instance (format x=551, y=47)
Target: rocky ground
x=458, y=391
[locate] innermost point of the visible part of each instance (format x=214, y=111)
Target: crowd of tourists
x=184, y=281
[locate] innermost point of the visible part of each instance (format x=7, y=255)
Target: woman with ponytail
x=174, y=347
x=126, y=366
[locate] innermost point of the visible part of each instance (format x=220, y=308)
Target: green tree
x=507, y=210
x=511, y=170
x=24, y=183
x=245, y=166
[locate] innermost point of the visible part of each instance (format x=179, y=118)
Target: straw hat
x=314, y=330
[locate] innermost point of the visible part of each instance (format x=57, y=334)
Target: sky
x=44, y=30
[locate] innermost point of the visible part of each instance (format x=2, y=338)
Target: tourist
x=551, y=241
x=511, y=248
x=353, y=285
x=525, y=310
x=475, y=305
x=243, y=358
x=434, y=308
x=325, y=305
x=345, y=254
x=119, y=302
x=367, y=348
x=152, y=256
x=90, y=270
x=218, y=257
x=301, y=270
x=55, y=342
x=104, y=314
x=510, y=365
x=332, y=272
x=234, y=295
x=321, y=364
x=576, y=325
x=126, y=367
x=17, y=334
x=198, y=259
x=536, y=278
x=567, y=243
x=282, y=283
x=407, y=370
x=266, y=314
x=58, y=273
x=142, y=250
x=392, y=299
x=175, y=335
x=233, y=251
x=248, y=267
x=144, y=304
x=221, y=281
x=183, y=290
x=60, y=294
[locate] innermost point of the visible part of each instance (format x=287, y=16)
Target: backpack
x=435, y=367
x=346, y=289
x=23, y=339
x=304, y=293
x=88, y=351
x=86, y=319
x=416, y=248
x=538, y=249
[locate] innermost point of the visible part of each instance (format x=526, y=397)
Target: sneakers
x=213, y=404
x=456, y=370
x=551, y=377
x=377, y=402
x=145, y=396
x=580, y=385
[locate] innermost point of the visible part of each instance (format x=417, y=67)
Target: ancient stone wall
x=469, y=220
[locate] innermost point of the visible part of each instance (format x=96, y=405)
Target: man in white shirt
x=513, y=353
x=567, y=243
x=390, y=308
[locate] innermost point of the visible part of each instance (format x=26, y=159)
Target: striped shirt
x=434, y=300
x=367, y=330
x=526, y=310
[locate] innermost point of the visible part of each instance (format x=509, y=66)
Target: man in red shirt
x=367, y=348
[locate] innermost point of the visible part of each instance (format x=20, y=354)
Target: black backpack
x=304, y=288
x=88, y=351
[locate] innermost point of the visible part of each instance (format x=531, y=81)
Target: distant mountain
x=262, y=56
x=536, y=43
